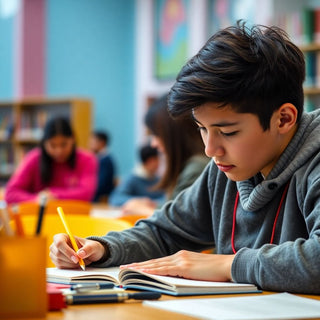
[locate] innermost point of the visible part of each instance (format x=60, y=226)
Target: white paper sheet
x=263, y=307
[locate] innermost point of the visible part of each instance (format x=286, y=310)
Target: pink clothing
x=79, y=183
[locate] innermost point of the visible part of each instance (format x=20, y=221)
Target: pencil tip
x=83, y=267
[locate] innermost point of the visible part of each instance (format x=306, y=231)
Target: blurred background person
x=139, y=184
x=98, y=144
x=57, y=169
x=181, y=145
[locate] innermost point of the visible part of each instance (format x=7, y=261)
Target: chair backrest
x=80, y=225
x=69, y=206
x=132, y=219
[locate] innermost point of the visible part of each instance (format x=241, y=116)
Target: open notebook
x=133, y=279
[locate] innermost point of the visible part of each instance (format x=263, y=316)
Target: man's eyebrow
x=218, y=124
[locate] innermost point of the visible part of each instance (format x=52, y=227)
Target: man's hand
x=63, y=255
x=189, y=265
x=139, y=206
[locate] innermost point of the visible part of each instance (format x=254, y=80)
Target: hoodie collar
x=254, y=193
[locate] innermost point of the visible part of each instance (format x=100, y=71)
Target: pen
x=43, y=202
x=91, y=286
x=72, y=239
x=107, y=298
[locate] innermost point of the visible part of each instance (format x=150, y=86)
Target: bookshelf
x=312, y=82
x=303, y=26
x=21, y=126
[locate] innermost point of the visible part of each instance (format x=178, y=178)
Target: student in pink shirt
x=57, y=168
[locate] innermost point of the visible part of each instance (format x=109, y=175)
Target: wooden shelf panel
x=311, y=91
x=310, y=47
x=21, y=124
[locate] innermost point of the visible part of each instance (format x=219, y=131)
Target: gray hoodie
x=201, y=217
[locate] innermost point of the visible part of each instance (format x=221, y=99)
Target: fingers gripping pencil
x=72, y=239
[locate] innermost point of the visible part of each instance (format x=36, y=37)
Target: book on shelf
x=311, y=69
x=317, y=70
x=303, y=26
x=31, y=123
x=307, y=25
x=6, y=127
x=6, y=160
x=134, y=279
x=317, y=25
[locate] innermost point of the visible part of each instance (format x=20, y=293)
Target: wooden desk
x=130, y=310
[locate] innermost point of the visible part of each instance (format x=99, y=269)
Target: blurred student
x=98, y=144
x=57, y=168
x=182, y=147
x=139, y=184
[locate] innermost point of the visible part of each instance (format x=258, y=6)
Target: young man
x=258, y=201
x=138, y=185
x=98, y=144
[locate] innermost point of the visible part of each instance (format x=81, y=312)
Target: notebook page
x=264, y=307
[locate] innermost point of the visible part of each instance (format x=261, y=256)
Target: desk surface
x=128, y=310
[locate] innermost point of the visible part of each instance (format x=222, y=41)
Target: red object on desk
x=56, y=299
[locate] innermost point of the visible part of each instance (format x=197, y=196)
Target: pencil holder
x=23, y=277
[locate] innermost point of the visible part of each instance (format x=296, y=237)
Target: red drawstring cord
x=274, y=223
x=234, y=222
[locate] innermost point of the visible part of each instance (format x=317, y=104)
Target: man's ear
x=287, y=115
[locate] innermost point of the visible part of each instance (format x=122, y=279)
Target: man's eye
x=229, y=134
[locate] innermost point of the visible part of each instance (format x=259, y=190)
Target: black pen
x=108, y=298
x=91, y=286
x=43, y=202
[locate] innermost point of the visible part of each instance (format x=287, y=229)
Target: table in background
x=103, y=210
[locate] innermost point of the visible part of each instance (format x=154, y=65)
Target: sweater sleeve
x=20, y=187
x=87, y=168
x=123, y=192
x=166, y=231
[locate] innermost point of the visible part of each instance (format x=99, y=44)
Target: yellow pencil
x=72, y=239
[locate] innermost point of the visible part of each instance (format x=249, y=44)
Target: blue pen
x=108, y=298
x=91, y=286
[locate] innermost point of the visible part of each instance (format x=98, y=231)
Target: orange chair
x=80, y=225
x=69, y=206
x=133, y=218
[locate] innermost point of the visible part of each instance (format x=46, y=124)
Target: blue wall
x=6, y=57
x=90, y=53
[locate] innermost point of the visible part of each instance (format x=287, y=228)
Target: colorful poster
x=224, y=13
x=171, y=37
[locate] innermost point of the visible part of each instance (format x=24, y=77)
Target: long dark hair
x=55, y=126
x=180, y=137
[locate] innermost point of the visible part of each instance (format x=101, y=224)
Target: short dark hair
x=254, y=70
x=54, y=127
x=102, y=136
x=146, y=152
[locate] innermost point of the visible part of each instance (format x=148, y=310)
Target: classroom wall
x=146, y=85
x=103, y=49
x=90, y=52
x=6, y=55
